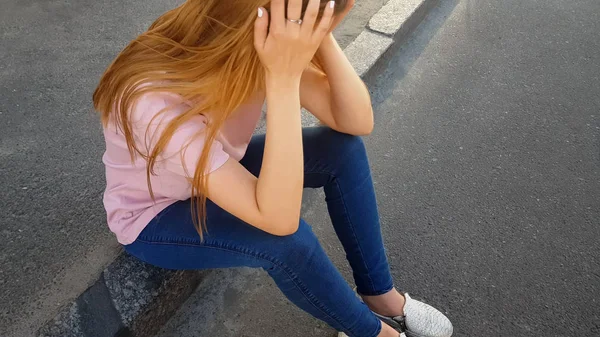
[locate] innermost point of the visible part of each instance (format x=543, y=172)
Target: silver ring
x=299, y=21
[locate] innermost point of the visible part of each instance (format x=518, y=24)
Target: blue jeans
x=301, y=269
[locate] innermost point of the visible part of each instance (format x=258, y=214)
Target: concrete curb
x=132, y=298
x=388, y=27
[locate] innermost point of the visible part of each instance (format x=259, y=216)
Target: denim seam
x=349, y=221
x=348, y=218
x=290, y=274
x=354, y=234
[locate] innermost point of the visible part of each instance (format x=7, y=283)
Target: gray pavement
x=486, y=156
x=54, y=238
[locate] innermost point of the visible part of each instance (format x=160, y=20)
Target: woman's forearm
x=281, y=179
x=350, y=99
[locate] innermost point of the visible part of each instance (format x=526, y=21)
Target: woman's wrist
x=327, y=45
x=282, y=82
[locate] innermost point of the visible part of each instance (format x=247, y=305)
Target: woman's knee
x=300, y=247
x=337, y=143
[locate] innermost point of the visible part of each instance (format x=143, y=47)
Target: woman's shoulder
x=151, y=103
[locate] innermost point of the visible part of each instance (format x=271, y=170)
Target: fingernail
x=260, y=12
x=331, y=4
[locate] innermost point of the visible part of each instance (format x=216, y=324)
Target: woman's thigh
x=171, y=241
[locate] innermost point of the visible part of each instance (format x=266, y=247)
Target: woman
x=188, y=187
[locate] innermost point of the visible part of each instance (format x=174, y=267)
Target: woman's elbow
x=284, y=227
x=367, y=128
x=366, y=124
x=364, y=128
x=286, y=230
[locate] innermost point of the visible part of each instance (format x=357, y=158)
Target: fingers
x=278, y=15
x=326, y=20
x=294, y=9
x=261, y=27
x=310, y=16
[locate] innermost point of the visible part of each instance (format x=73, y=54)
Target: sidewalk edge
x=388, y=28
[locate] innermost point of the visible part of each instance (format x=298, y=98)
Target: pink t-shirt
x=127, y=200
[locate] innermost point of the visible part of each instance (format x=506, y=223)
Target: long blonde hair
x=202, y=51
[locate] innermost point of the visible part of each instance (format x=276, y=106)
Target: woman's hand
x=286, y=47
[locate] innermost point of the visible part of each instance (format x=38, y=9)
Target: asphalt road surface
x=486, y=157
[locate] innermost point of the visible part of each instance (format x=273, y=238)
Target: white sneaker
x=419, y=320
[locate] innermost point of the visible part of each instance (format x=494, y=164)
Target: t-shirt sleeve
x=152, y=113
